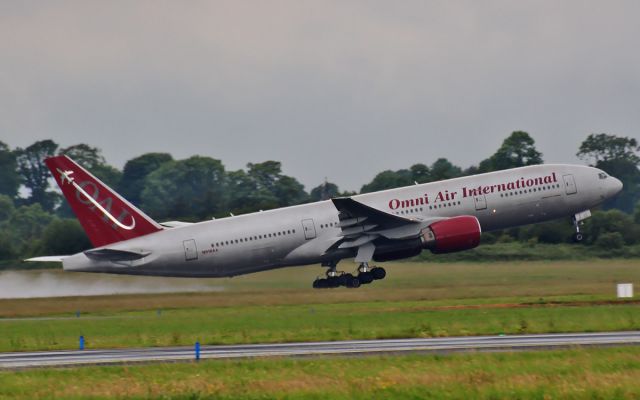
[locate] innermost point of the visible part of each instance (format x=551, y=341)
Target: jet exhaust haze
x=34, y=284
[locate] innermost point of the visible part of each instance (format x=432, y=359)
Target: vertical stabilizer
x=105, y=216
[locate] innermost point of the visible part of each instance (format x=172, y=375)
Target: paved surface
x=440, y=345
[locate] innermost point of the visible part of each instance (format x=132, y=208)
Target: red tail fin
x=105, y=216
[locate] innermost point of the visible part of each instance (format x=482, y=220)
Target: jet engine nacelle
x=446, y=236
x=451, y=235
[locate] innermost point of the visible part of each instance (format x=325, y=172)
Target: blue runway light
x=197, y=349
x=81, y=346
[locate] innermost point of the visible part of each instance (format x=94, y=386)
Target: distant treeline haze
x=35, y=220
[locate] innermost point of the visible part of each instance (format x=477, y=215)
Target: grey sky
x=340, y=89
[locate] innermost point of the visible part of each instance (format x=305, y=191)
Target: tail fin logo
x=65, y=177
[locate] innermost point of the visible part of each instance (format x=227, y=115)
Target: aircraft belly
x=524, y=212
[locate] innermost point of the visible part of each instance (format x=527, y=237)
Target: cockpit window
x=602, y=175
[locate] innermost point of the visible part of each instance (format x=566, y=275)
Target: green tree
x=263, y=187
x=611, y=221
x=7, y=242
x=9, y=178
x=136, y=171
x=290, y=192
x=417, y=173
x=388, y=180
x=443, y=169
x=7, y=247
x=26, y=225
x=609, y=241
x=35, y=173
x=602, y=147
x=517, y=150
x=420, y=173
x=6, y=207
x=558, y=231
x=85, y=155
x=617, y=156
x=192, y=189
x=241, y=193
x=324, y=191
x=64, y=237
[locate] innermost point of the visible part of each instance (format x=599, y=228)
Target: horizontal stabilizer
x=116, y=255
x=47, y=259
x=175, y=224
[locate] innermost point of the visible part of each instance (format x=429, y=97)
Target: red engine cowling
x=451, y=235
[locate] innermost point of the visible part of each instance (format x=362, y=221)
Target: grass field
x=612, y=373
x=416, y=300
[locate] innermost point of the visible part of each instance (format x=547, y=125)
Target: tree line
x=34, y=219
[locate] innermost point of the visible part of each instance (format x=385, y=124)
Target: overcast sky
x=340, y=89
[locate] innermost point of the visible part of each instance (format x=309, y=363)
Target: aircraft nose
x=615, y=186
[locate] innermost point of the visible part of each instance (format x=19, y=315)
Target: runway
x=354, y=347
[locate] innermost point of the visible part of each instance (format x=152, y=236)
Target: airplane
x=443, y=217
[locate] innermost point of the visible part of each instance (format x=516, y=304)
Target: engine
x=446, y=236
x=451, y=235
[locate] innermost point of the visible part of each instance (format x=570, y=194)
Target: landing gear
x=578, y=236
x=336, y=279
x=367, y=275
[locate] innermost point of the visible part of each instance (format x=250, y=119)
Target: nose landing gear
x=581, y=216
x=336, y=279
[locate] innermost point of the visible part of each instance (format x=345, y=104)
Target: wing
x=362, y=224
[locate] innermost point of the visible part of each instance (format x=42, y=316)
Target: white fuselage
x=304, y=234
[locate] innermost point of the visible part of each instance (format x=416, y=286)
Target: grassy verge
x=438, y=284
x=611, y=373
x=294, y=323
x=521, y=251
x=416, y=300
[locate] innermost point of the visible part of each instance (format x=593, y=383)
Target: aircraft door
x=569, y=184
x=480, y=202
x=309, y=228
x=190, y=250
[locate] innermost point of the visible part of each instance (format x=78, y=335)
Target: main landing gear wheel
x=351, y=281
x=378, y=273
x=577, y=237
x=336, y=279
x=346, y=280
x=365, y=277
